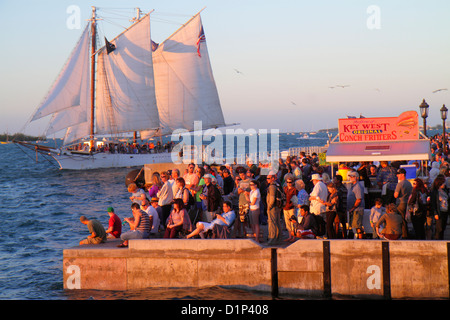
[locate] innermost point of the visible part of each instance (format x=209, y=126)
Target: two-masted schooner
x=129, y=85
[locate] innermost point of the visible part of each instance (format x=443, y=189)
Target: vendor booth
x=381, y=139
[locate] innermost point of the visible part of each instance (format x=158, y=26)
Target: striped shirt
x=144, y=222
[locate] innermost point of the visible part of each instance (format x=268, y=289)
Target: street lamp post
x=444, y=111
x=424, y=113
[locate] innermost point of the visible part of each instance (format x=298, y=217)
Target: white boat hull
x=80, y=161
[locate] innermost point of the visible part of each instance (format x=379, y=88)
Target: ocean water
x=40, y=207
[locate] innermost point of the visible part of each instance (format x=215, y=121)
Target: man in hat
x=402, y=192
x=154, y=202
x=318, y=195
x=355, y=201
x=152, y=214
x=114, y=224
x=98, y=233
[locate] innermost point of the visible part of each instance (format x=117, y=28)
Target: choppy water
x=40, y=208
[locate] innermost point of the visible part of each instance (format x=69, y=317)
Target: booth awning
x=379, y=151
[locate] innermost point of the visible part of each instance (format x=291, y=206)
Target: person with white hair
x=318, y=195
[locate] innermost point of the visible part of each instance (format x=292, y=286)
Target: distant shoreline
x=19, y=137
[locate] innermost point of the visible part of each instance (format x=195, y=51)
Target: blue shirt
x=389, y=175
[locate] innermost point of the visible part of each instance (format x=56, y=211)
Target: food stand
x=380, y=139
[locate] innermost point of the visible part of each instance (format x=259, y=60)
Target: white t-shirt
x=153, y=213
x=255, y=194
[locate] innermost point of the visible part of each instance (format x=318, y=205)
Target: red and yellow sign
x=403, y=127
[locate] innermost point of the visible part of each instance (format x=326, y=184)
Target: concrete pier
x=368, y=269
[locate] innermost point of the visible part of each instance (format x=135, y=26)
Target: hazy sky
x=393, y=54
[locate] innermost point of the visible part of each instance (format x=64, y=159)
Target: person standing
x=387, y=181
x=418, y=203
x=114, y=224
x=439, y=205
x=273, y=211
x=318, y=195
x=165, y=196
x=402, y=193
x=355, y=202
x=96, y=230
x=211, y=197
x=289, y=208
x=254, y=197
x=244, y=206
x=332, y=204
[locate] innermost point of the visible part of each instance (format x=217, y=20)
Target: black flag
x=109, y=46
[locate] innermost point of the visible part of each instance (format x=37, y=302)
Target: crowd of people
x=302, y=199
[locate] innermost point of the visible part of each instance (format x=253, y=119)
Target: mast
x=137, y=18
x=93, y=49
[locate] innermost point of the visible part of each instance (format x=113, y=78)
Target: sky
x=289, y=54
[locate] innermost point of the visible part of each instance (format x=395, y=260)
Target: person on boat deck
x=224, y=219
x=114, y=224
x=98, y=233
x=139, y=225
x=137, y=194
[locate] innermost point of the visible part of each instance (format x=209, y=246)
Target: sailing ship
x=128, y=86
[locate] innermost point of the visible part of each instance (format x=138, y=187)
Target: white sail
x=65, y=119
x=125, y=97
x=184, y=83
x=71, y=89
x=77, y=132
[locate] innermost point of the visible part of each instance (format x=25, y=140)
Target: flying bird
x=342, y=86
x=293, y=103
x=439, y=90
x=237, y=71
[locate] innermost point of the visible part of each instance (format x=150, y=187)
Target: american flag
x=154, y=46
x=201, y=38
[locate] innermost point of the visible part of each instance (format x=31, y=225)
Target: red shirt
x=116, y=225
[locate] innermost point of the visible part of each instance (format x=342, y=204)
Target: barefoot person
x=224, y=219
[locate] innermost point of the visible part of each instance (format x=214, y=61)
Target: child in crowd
x=375, y=214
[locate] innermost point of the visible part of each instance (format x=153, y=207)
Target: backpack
x=321, y=225
x=280, y=197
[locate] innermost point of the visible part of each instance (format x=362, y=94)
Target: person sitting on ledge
x=307, y=228
x=139, y=225
x=393, y=221
x=224, y=219
x=98, y=234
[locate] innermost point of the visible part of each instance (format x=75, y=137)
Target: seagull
x=439, y=90
x=293, y=103
x=342, y=86
x=237, y=71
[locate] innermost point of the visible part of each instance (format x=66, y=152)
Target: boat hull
x=84, y=161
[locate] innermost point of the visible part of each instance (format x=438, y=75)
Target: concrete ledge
x=358, y=268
